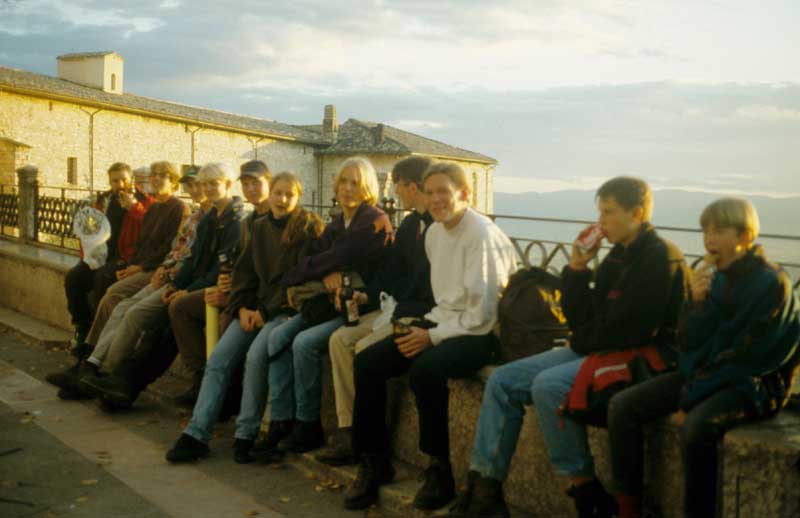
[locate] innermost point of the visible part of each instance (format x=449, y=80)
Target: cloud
x=768, y=113
x=415, y=125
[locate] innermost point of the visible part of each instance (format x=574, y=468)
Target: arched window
x=113, y=82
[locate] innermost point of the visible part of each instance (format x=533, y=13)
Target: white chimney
x=103, y=70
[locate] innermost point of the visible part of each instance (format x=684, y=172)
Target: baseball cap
x=254, y=168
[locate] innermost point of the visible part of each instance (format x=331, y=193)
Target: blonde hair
x=735, y=213
x=215, y=171
x=170, y=169
x=302, y=225
x=451, y=170
x=367, y=178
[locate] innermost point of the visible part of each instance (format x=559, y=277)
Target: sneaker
x=242, y=449
x=592, y=500
x=187, y=449
x=340, y=453
x=112, y=389
x=438, y=487
x=266, y=450
x=373, y=472
x=305, y=436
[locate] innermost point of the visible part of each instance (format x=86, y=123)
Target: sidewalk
x=73, y=460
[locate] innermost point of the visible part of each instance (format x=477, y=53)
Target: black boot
x=592, y=500
x=115, y=392
x=340, y=452
x=305, y=436
x=189, y=398
x=187, y=449
x=266, y=450
x=69, y=380
x=373, y=472
x=242, y=451
x=439, y=486
x=482, y=499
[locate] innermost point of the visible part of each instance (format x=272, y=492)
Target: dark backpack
x=530, y=315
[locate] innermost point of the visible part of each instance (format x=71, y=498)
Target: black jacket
x=265, y=258
x=636, y=299
x=406, y=273
x=215, y=235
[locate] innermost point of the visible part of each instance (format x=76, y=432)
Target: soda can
x=590, y=237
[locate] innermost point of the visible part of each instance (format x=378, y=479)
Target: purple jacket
x=359, y=247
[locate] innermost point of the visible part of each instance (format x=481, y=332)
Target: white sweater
x=470, y=265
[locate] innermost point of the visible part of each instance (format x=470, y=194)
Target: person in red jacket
x=84, y=287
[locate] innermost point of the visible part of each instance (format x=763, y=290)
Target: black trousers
x=428, y=373
x=152, y=358
x=704, y=426
x=84, y=288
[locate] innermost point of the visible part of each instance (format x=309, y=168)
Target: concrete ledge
x=32, y=280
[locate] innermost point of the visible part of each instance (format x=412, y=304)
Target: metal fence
x=56, y=206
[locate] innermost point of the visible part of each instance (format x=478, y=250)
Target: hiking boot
x=189, y=398
x=242, y=449
x=438, y=487
x=69, y=379
x=266, y=450
x=115, y=391
x=483, y=498
x=592, y=500
x=373, y=472
x=187, y=449
x=305, y=436
x=340, y=452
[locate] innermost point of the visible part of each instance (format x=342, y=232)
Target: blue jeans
x=229, y=352
x=308, y=348
x=543, y=380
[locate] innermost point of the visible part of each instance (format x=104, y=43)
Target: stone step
x=395, y=499
x=33, y=331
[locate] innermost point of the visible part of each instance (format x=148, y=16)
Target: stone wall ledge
x=759, y=460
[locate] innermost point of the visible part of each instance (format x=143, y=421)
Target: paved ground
x=69, y=459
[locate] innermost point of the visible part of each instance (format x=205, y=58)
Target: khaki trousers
x=117, y=292
x=344, y=344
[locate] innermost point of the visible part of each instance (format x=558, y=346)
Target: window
x=113, y=82
x=72, y=170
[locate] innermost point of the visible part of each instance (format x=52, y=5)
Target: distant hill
x=672, y=208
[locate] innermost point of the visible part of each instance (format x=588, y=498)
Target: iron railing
x=56, y=206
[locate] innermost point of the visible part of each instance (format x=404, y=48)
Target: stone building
x=75, y=125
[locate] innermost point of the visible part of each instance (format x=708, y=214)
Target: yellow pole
x=212, y=325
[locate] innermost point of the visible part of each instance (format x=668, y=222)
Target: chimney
x=379, y=133
x=101, y=70
x=330, y=127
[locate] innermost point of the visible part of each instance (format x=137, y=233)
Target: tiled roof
x=51, y=86
x=357, y=136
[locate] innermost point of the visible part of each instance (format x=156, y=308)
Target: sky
x=698, y=95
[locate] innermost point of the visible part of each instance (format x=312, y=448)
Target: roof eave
x=154, y=114
x=487, y=160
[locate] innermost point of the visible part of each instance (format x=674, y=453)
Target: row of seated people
x=718, y=344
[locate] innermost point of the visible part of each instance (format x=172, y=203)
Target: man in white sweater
x=471, y=260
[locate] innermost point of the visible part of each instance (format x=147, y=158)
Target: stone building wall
x=57, y=130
